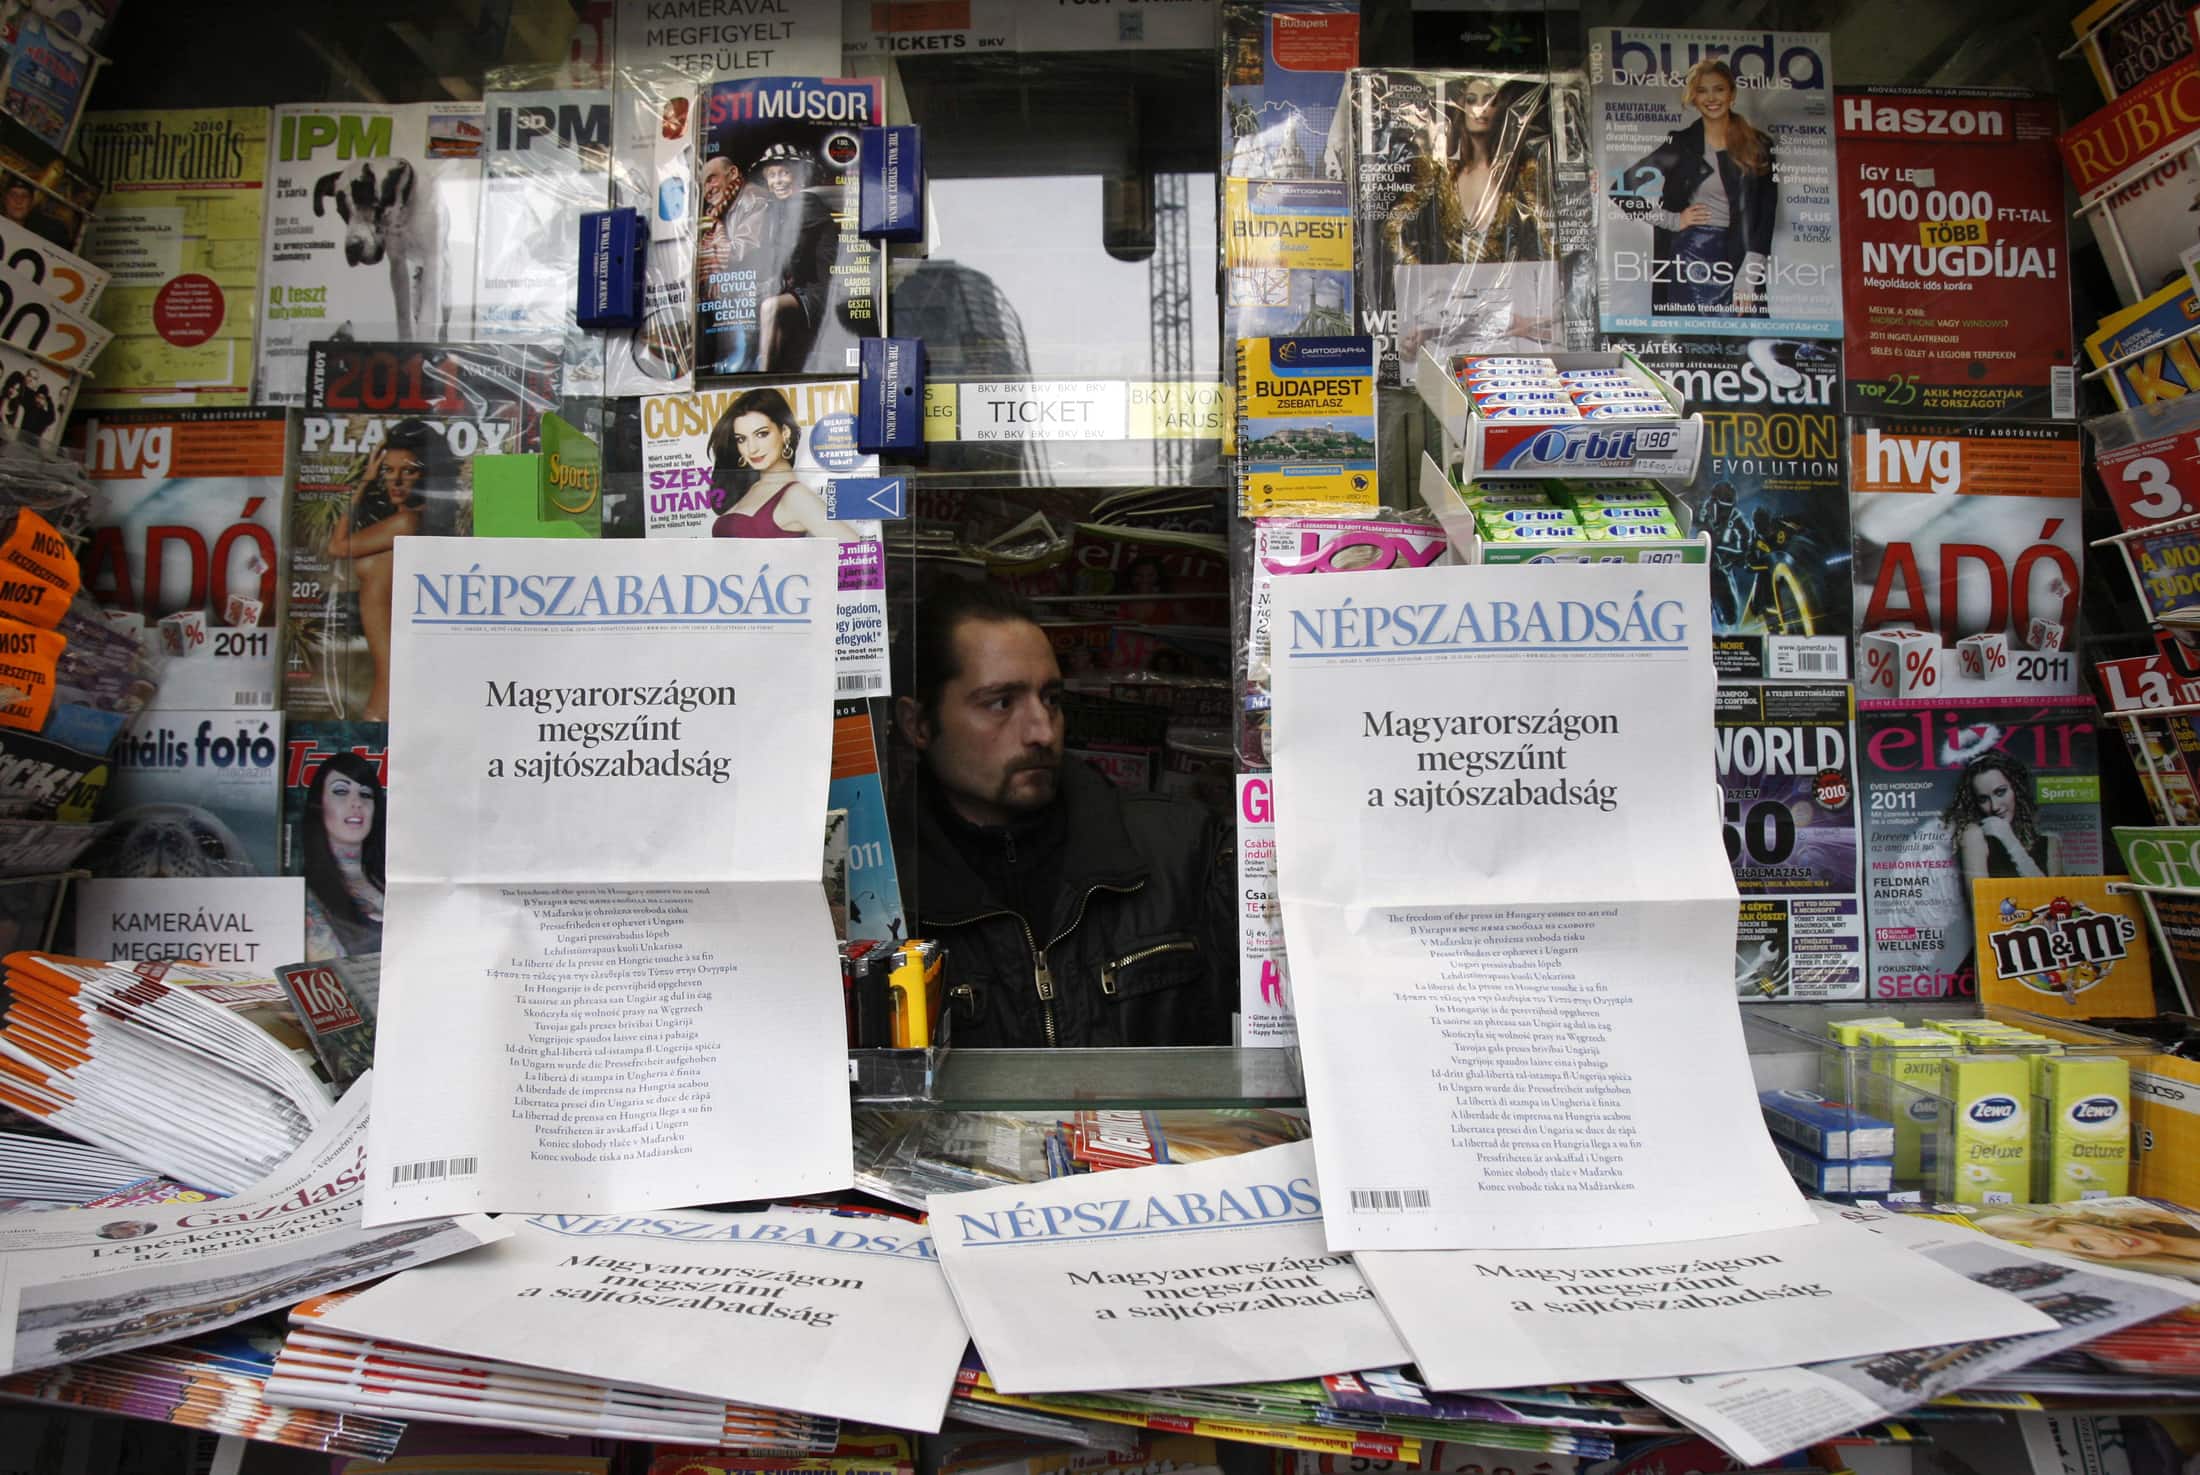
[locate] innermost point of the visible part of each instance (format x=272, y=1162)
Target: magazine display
x=1956, y=790
x=512, y=384
x=873, y=884
x=335, y=822
x=2134, y=163
x=545, y=161
x=2127, y=41
x=1790, y=807
x=1574, y=196
x=2164, y=746
x=81, y=1282
x=196, y=794
x=2153, y=336
x=371, y=220
x=360, y=483
x=1952, y=202
x=761, y=462
x=784, y=284
x=1453, y=213
x=1283, y=71
x=335, y=1001
x=1969, y=559
x=188, y=547
x=1771, y=496
x=654, y=122
x=1287, y=258
x=1694, y=238
x=180, y=229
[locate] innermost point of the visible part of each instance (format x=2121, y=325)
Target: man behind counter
x=1073, y=912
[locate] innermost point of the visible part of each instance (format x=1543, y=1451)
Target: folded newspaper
x=76, y=1283
x=824, y=1312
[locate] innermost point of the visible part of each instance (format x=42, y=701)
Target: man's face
x=995, y=743
x=17, y=202
x=720, y=180
x=779, y=179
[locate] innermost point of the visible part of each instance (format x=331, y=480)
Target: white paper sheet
x=823, y=1313
x=614, y=987
x=1517, y=1318
x=77, y=1283
x=1762, y=1415
x=1213, y=1272
x=1509, y=912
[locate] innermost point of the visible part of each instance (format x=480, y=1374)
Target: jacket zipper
x=1107, y=974
x=1042, y=975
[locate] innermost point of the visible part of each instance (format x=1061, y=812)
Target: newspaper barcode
x=1814, y=660
x=1391, y=1200
x=2062, y=392
x=246, y=698
x=440, y=1167
x=860, y=681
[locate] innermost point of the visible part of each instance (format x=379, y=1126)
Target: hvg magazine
x=1715, y=150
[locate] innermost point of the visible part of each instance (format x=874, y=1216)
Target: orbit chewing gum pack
x=2086, y=1100
x=1983, y=1152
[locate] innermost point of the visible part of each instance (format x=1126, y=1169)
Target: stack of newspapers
x=216, y=1382
x=322, y=1368
x=41, y=1168
x=129, y=1060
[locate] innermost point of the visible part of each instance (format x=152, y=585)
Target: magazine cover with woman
x=1453, y=213
x=364, y=481
x=1957, y=791
x=1715, y=150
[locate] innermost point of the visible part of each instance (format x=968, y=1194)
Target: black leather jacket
x=1753, y=198
x=1140, y=947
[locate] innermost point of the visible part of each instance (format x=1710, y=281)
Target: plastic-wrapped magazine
x=514, y=384
x=1788, y=794
x=1574, y=199
x=784, y=284
x=1280, y=547
x=545, y=161
x=1283, y=68
x=1453, y=212
x=1770, y=493
x=35, y=396
x=1969, y=558
x=361, y=482
x=336, y=1002
x=371, y=218
x=63, y=195
x=181, y=228
x=760, y=462
x=47, y=77
x=654, y=120
x=196, y=794
x=187, y=548
x=1715, y=155
x=1954, y=791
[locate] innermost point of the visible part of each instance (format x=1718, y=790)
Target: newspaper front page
x=77, y=1283
x=822, y=1312
x=1509, y=912
x=1503, y=1319
x=1214, y=1272
x=552, y=1039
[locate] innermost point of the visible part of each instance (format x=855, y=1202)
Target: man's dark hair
x=925, y=655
